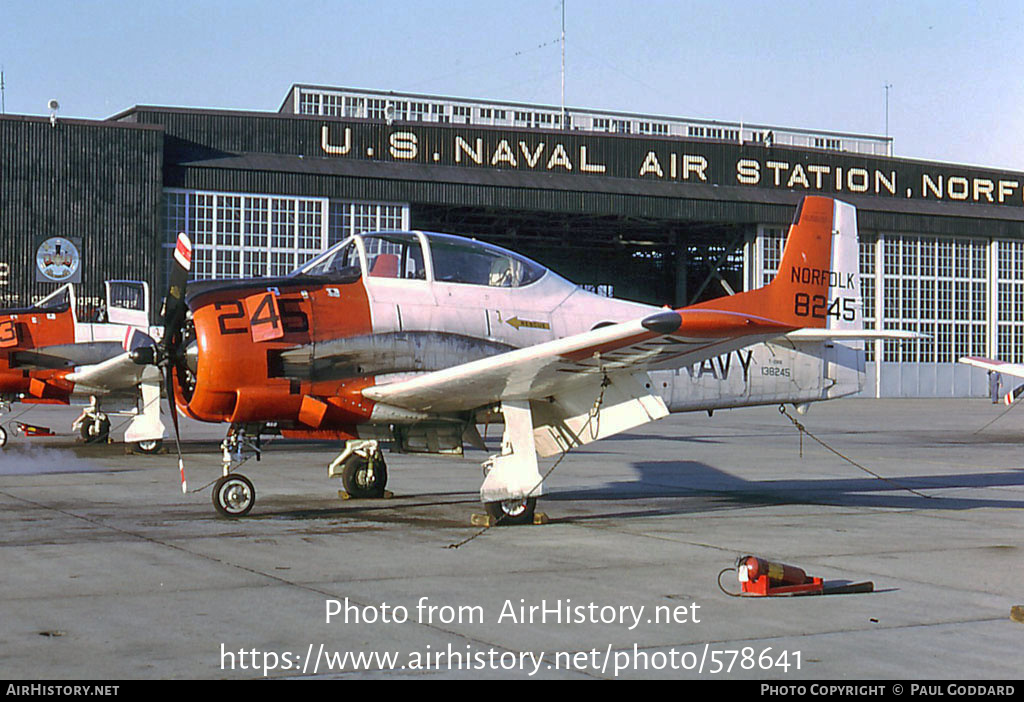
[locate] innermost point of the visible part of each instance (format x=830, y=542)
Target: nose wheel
x=149, y=446
x=512, y=512
x=364, y=477
x=233, y=496
x=95, y=430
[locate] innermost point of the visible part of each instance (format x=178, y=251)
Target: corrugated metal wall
x=100, y=182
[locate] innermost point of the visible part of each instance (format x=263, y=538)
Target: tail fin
x=817, y=282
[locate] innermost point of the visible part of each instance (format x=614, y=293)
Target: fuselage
x=299, y=350
x=21, y=331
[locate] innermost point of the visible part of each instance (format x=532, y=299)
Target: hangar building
x=648, y=207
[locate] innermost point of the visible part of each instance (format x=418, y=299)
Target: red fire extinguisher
x=751, y=568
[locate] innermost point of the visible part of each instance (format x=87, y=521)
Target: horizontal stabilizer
x=1014, y=369
x=855, y=334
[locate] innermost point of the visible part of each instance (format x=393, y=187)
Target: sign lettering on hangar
x=669, y=160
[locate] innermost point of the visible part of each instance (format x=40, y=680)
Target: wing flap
x=595, y=410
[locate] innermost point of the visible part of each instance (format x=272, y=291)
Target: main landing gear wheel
x=3, y=437
x=149, y=446
x=93, y=433
x=512, y=512
x=363, y=477
x=233, y=496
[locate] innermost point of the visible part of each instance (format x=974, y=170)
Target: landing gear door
x=128, y=302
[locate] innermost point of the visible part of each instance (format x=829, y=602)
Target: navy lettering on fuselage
x=718, y=367
x=816, y=276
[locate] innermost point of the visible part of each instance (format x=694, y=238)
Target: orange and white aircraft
x=47, y=356
x=414, y=338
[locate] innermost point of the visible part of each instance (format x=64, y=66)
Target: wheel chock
x=129, y=451
x=1017, y=613
x=485, y=520
x=386, y=496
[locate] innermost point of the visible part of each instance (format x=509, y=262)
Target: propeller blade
x=174, y=305
x=173, y=406
x=174, y=319
x=1012, y=396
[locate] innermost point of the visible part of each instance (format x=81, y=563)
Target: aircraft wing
x=65, y=355
x=991, y=364
x=671, y=338
x=117, y=373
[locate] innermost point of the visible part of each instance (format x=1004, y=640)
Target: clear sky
x=956, y=68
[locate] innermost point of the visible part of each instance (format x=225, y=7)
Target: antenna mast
x=564, y=126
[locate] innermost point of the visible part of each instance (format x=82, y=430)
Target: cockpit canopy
x=424, y=256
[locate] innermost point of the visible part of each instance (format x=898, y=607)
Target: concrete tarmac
x=108, y=572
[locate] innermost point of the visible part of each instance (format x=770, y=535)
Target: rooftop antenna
x=54, y=106
x=887, y=87
x=564, y=126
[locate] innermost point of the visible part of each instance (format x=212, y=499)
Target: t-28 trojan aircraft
x=48, y=356
x=415, y=337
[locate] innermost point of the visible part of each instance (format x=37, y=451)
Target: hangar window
x=376, y=108
x=773, y=241
x=309, y=104
x=867, y=289
x=1010, y=301
x=418, y=111
x=475, y=263
x=355, y=107
x=332, y=105
x=938, y=287
x=236, y=234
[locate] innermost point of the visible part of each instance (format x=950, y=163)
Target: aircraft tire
x=101, y=433
x=359, y=481
x=3, y=437
x=512, y=512
x=149, y=446
x=233, y=496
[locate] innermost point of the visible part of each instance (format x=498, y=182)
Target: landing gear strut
x=92, y=424
x=233, y=493
x=362, y=469
x=512, y=481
